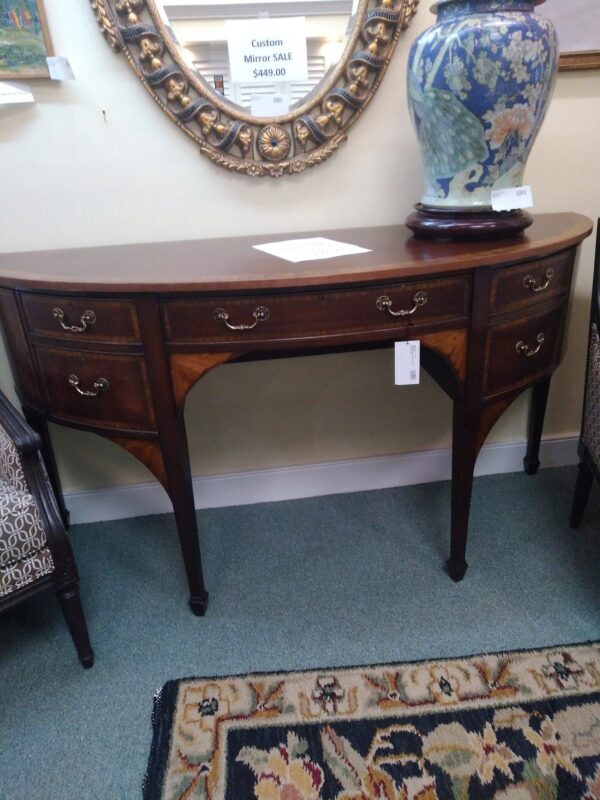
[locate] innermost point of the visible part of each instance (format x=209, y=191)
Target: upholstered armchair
x=35, y=552
x=589, y=440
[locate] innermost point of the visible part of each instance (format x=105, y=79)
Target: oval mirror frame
x=226, y=133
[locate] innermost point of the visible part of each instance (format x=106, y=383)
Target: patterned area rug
x=511, y=726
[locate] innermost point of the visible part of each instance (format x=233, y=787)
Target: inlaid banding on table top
x=232, y=264
x=305, y=314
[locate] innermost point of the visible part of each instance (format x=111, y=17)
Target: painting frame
x=36, y=43
x=585, y=59
x=585, y=32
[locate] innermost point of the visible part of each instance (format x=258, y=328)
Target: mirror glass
x=203, y=33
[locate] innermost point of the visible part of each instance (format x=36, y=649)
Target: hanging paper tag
x=15, y=93
x=512, y=198
x=60, y=69
x=269, y=105
x=407, y=362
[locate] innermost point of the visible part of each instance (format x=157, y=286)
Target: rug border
x=162, y=720
x=164, y=702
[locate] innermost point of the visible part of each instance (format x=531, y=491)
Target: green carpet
x=341, y=580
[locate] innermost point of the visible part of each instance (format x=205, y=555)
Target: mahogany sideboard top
x=232, y=264
x=111, y=339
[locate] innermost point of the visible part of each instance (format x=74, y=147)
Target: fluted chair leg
x=585, y=478
x=70, y=602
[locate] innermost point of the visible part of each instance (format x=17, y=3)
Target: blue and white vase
x=479, y=83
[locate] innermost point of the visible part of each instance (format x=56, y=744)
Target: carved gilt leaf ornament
x=226, y=132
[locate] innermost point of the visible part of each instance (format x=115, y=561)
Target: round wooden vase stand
x=443, y=223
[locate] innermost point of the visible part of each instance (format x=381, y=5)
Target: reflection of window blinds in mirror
x=217, y=63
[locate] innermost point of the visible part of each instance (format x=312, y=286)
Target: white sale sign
x=267, y=50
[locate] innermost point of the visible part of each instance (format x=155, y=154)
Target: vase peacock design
x=479, y=84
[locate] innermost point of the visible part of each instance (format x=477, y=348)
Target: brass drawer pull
x=87, y=318
x=260, y=314
x=384, y=303
x=526, y=351
x=100, y=386
x=530, y=283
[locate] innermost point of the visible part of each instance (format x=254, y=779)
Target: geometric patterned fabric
x=591, y=422
x=24, y=554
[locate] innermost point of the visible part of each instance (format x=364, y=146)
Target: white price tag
x=60, y=69
x=509, y=199
x=15, y=93
x=407, y=363
x=267, y=50
x=269, y=105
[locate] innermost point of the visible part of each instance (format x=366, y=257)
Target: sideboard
x=111, y=339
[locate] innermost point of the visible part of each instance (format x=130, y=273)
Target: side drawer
x=535, y=281
x=87, y=318
x=519, y=352
x=96, y=388
x=314, y=314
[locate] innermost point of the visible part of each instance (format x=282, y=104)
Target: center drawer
x=313, y=314
x=107, y=390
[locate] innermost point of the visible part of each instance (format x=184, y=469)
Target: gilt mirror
x=265, y=87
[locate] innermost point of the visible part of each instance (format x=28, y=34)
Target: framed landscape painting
x=577, y=23
x=24, y=40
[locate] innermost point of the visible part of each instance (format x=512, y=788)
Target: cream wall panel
x=75, y=179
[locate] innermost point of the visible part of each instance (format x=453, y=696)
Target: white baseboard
x=312, y=480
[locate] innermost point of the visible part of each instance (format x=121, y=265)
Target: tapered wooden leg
x=585, y=478
x=180, y=489
x=187, y=530
x=71, y=605
x=537, y=412
x=176, y=471
x=464, y=455
x=168, y=460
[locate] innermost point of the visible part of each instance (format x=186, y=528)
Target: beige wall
x=69, y=178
